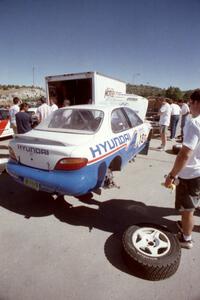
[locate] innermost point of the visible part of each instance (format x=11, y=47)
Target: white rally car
x=75, y=149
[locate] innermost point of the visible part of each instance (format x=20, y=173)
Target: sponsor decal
x=116, y=143
x=109, y=92
x=109, y=145
x=138, y=138
x=33, y=150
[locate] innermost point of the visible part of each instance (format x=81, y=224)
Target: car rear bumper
x=72, y=183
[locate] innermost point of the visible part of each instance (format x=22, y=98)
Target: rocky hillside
x=29, y=94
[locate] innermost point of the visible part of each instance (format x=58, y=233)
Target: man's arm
x=179, y=164
x=38, y=114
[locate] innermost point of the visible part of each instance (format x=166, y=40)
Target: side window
x=133, y=117
x=118, y=121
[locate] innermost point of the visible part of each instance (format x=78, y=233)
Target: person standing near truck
x=165, y=114
x=44, y=110
x=175, y=115
x=185, y=111
x=187, y=168
x=54, y=105
x=23, y=119
x=12, y=112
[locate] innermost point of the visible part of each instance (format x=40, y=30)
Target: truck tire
x=151, y=252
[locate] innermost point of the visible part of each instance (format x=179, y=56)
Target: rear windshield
x=73, y=120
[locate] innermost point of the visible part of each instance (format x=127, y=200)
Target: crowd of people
x=171, y=112
x=22, y=122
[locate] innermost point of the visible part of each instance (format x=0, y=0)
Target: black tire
x=144, y=264
x=176, y=148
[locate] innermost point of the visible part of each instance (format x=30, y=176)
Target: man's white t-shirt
x=12, y=112
x=192, y=141
x=165, y=114
x=185, y=109
x=175, y=109
x=54, y=107
x=43, y=111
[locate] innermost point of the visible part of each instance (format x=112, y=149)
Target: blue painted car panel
x=74, y=183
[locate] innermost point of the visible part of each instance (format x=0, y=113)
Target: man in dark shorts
x=187, y=168
x=23, y=119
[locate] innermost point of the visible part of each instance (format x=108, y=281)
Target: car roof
x=101, y=106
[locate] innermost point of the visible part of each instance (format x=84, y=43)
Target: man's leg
x=176, y=124
x=173, y=124
x=164, y=136
x=187, y=222
x=186, y=201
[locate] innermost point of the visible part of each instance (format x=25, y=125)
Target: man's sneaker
x=185, y=244
x=179, y=225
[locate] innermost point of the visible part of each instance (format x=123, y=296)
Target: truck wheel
x=176, y=148
x=151, y=252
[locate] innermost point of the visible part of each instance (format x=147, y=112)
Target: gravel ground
x=52, y=250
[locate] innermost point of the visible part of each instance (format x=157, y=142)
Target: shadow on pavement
x=113, y=253
x=113, y=215
x=169, y=151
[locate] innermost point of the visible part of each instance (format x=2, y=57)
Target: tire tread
x=150, y=270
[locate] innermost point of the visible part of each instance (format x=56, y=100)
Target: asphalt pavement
x=71, y=248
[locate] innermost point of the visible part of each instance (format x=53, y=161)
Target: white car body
x=73, y=149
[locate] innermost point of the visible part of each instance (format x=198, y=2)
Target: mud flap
x=145, y=150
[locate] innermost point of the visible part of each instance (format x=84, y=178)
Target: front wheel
x=151, y=252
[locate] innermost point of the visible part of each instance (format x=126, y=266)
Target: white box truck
x=92, y=87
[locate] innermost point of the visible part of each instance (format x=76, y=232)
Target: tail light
x=68, y=164
x=12, y=154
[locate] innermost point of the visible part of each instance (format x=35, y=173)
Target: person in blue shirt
x=23, y=119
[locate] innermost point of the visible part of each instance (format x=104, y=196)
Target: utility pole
x=134, y=77
x=33, y=69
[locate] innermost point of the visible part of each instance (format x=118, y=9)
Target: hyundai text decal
x=33, y=150
x=110, y=144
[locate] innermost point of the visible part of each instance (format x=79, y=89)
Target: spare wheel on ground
x=151, y=251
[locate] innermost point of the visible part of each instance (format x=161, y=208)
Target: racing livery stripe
x=3, y=126
x=107, y=154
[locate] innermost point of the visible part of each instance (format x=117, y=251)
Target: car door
x=122, y=132
x=139, y=130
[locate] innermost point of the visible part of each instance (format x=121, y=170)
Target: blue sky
x=153, y=42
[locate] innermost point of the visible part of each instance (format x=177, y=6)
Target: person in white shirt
x=54, y=105
x=185, y=111
x=187, y=168
x=43, y=111
x=66, y=102
x=175, y=115
x=12, y=112
x=165, y=114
